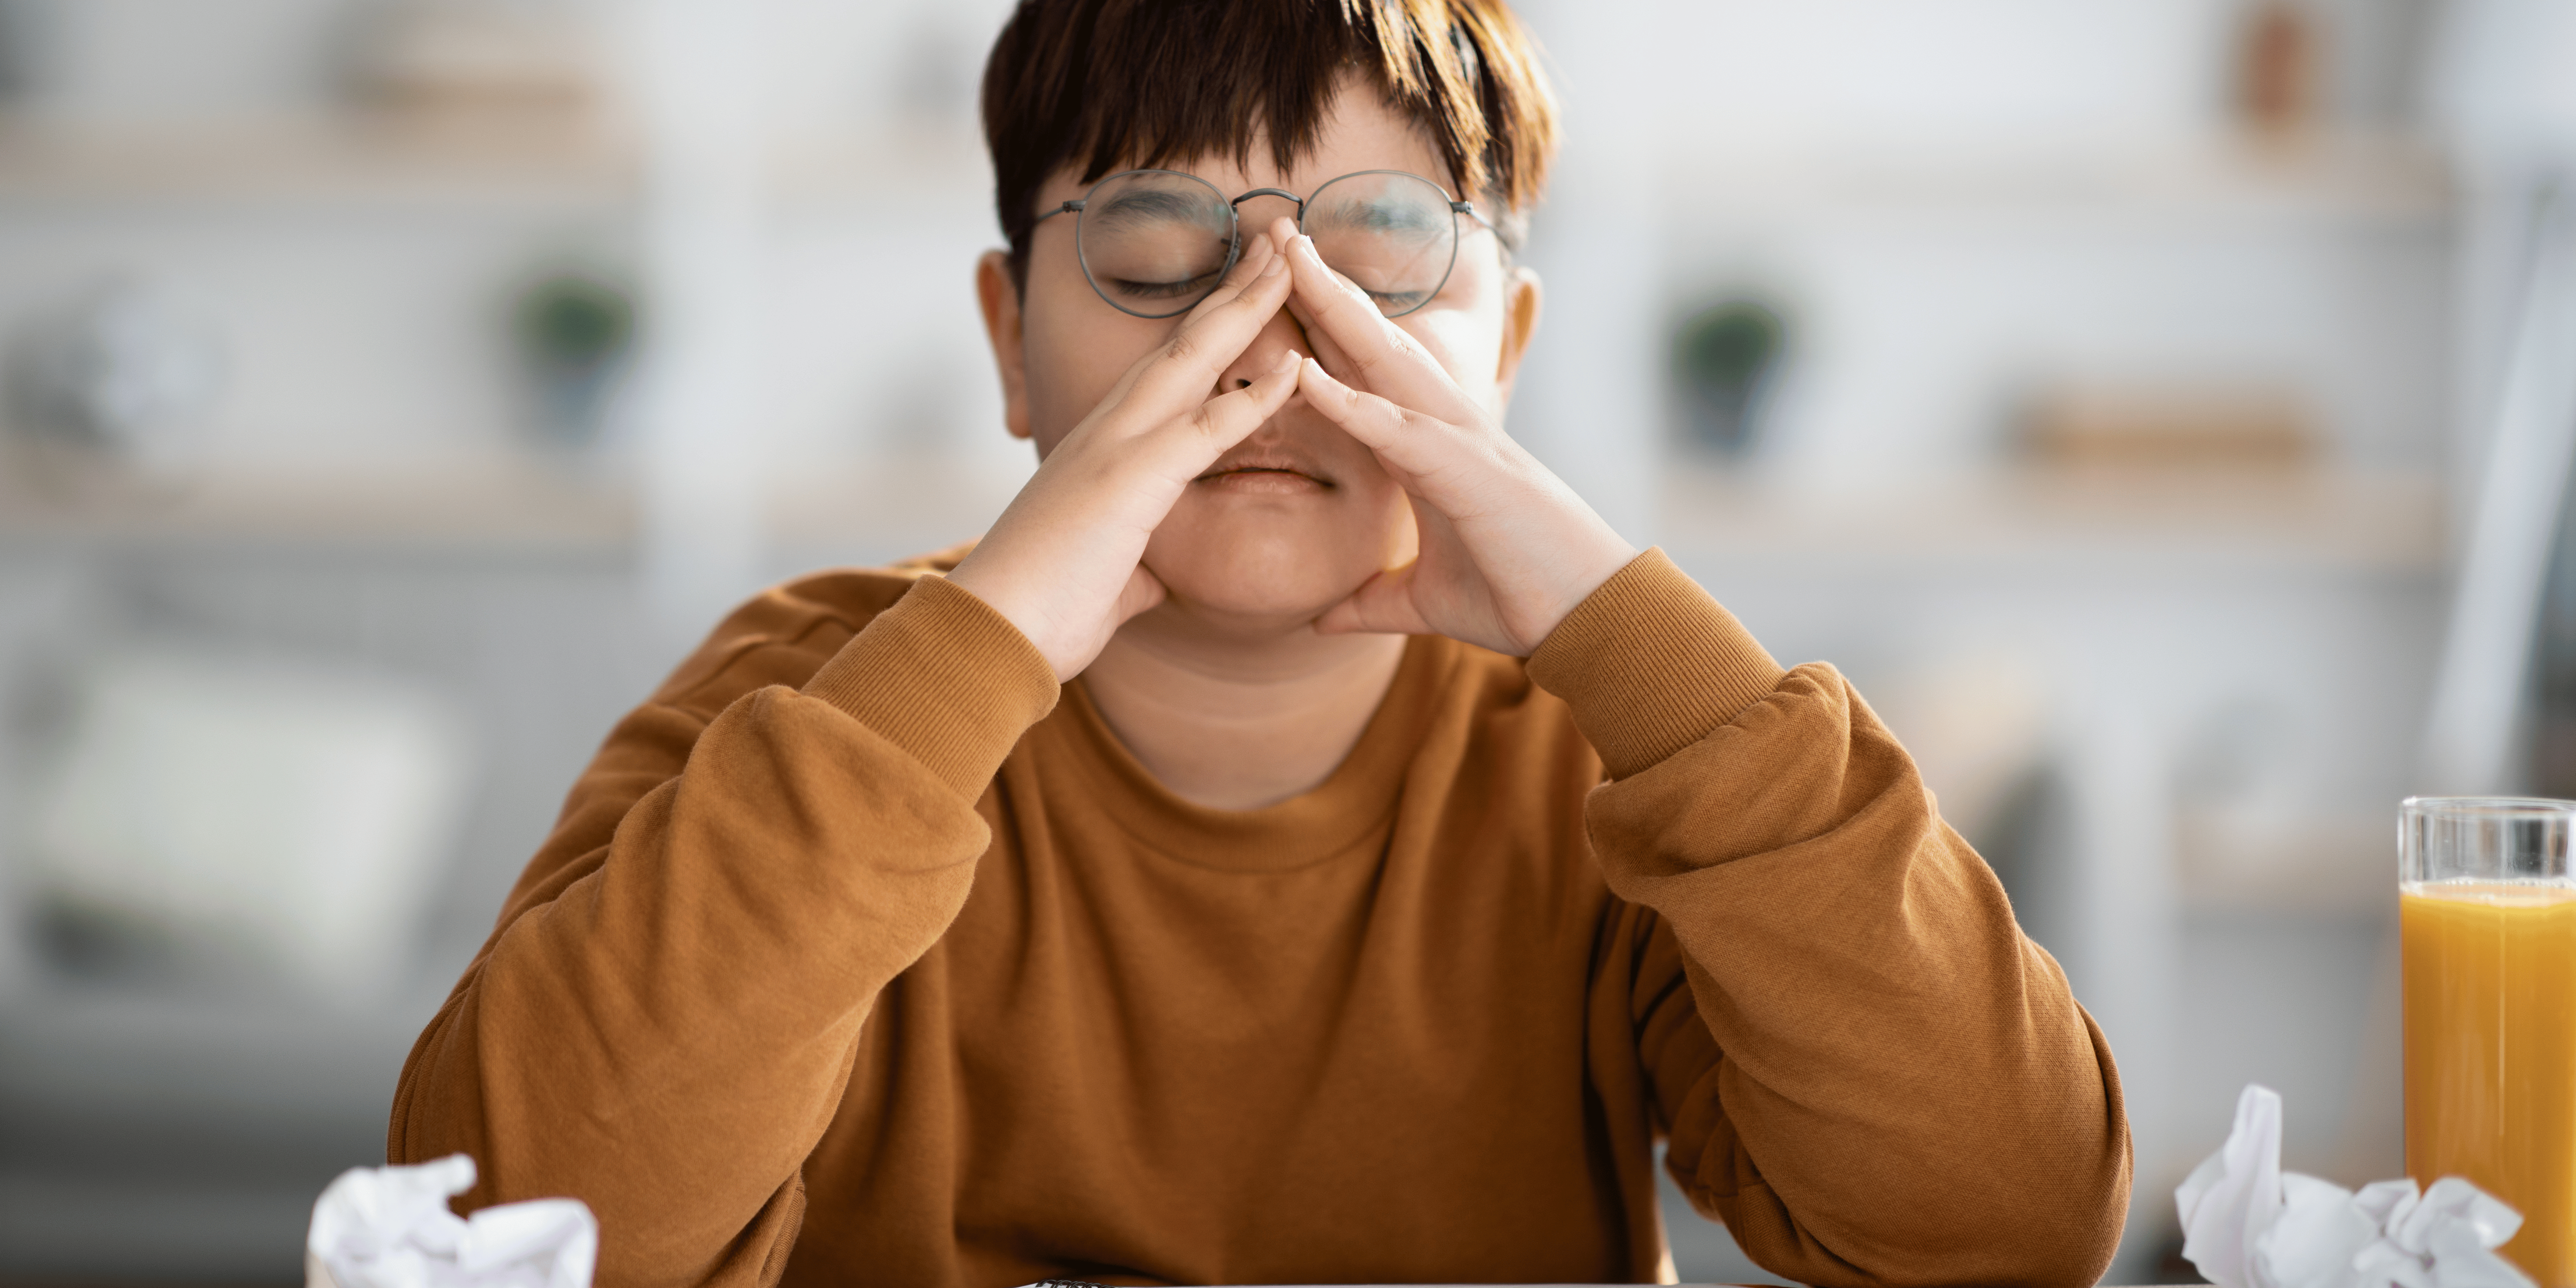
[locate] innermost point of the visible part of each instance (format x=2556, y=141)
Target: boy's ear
x=1520, y=321
x=1000, y=301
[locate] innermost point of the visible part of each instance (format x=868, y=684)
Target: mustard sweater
x=862, y=954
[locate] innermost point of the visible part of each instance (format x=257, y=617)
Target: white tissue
x=389, y=1227
x=2248, y=1224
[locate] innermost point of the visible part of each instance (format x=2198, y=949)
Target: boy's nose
x=1261, y=357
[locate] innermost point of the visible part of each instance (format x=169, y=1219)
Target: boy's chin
x=1249, y=603
x=1256, y=596
x=1263, y=572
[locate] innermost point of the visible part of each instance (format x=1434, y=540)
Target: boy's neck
x=1231, y=722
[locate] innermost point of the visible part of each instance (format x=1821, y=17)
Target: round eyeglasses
x=1153, y=243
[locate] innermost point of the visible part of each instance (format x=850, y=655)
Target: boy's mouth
x=1266, y=470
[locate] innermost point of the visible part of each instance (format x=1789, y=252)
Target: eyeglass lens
x=1156, y=242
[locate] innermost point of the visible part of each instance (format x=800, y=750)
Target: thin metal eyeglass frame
x=1234, y=229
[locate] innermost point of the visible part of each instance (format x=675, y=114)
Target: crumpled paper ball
x=389, y=1227
x=2248, y=1224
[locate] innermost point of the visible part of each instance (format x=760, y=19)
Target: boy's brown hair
x=1112, y=84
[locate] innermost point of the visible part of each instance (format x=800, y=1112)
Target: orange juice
x=2490, y=974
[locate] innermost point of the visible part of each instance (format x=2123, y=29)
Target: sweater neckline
x=1325, y=821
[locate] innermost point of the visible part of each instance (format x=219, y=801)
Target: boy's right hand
x=1065, y=562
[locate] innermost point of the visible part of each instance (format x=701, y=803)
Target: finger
x=1142, y=591
x=1382, y=605
x=1408, y=440
x=1189, y=443
x=1258, y=251
x=1317, y=342
x=1283, y=232
x=1377, y=353
x=1259, y=254
x=1260, y=259
x=1210, y=339
x=1325, y=346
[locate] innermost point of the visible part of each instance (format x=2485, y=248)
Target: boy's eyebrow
x=1362, y=212
x=1148, y=203
x=1389, y=216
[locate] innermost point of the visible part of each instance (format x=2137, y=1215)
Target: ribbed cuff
x=944, y=677
x=1651, y=664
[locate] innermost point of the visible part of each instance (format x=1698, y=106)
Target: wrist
x=994, y=590
x=1062, y=614
x=1589, y=563
x=1650, y=663
x=943, y=677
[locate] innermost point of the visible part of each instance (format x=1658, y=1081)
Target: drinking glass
x=2487, y=928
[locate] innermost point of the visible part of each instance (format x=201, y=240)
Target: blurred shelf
x=2330, y=179
x=355, y=159
x=903, y=503
x=2388, y=524
x=380, y=163
x=351, y=161
x=880, y=509
x=502, y=507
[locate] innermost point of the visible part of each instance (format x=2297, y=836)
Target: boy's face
x=1294, y=518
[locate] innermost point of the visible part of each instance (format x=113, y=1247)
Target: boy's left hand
x=1507, y=548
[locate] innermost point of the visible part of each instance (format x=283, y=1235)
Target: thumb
x=1382, y=605
x=1143, y=590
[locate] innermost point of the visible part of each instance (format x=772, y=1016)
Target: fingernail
x=1290, y=359
x=1272, y=268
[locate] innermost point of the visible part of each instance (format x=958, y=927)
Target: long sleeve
x=664, y=1021
x=1887, y=1083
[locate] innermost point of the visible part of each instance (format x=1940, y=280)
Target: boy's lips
x=1266, y=466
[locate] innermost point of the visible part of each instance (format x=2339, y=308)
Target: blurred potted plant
x=574, y=331
x=1725, y=358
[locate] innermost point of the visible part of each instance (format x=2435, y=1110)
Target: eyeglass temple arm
x=1073, y=207
x=1468, y=208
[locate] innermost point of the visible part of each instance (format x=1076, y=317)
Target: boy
x=1195, y=883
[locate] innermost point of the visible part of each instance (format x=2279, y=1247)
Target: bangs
x=1106, y=85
